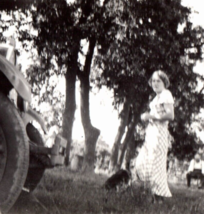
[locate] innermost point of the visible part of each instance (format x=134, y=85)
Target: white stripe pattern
x=151, y=161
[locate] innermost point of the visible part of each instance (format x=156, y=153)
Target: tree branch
x=89, y=56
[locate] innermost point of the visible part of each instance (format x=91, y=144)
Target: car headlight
x=22, y=104
x=25, y=106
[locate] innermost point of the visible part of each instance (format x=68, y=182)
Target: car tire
x=14, y=154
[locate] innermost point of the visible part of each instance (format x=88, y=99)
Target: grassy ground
x=64, y=192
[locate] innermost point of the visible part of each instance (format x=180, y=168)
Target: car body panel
x=31, y=115
x=16, y=78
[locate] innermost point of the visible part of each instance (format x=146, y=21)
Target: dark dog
x=117, y=180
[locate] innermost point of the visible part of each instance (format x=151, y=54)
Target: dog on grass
x=118, y=182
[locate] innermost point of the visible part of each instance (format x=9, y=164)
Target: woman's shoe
x=160, y=200
x=153, y=199
x=156, y=199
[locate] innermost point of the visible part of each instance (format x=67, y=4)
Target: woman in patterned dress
x=151, y=161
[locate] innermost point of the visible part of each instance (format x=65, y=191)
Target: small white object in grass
x=25, y=189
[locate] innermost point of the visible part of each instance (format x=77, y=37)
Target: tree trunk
x=131, y=128
x=68, y=116
x=91, y=133
x=70, y=102
x=130, y=153
x=127, y=140
x=121, y=129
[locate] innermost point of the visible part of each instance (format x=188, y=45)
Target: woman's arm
x=167, y=115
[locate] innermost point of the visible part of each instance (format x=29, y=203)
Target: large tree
x=57, y=47
x=60, y=29
x=133, y=38
x=155, y=35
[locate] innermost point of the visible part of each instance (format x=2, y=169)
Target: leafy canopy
x=156, y=35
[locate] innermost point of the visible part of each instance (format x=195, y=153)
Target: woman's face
x=157, y=83
x=197, y=157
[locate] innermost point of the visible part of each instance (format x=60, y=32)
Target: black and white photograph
x=101, y=107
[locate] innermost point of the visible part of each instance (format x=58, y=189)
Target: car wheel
x=14, y=154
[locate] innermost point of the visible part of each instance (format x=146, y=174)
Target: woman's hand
x=145, y=117
x=168, y=115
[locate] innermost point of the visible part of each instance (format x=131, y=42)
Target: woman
x=151, y=161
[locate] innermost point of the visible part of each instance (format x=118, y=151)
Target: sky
x=198, y=6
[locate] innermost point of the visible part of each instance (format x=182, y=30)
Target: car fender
x=32, y=115
x=16, y=78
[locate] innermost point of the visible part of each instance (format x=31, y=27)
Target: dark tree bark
x=128, y=139
x=130, y=153
x=121, y=129
x=91, y=133
x=131, y=129
x=70, y=103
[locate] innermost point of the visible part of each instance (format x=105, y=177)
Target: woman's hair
x=162, y=76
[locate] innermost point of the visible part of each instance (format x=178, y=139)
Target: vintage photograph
x=101, y=107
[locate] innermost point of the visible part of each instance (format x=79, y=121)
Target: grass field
x=64, y=192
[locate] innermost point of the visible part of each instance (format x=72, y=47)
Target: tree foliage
x=60, y=27
x=133, y=39
x=156, y=35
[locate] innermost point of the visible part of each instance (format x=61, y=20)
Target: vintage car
x=23, y=154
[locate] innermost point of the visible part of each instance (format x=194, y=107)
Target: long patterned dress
x=151, y=161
